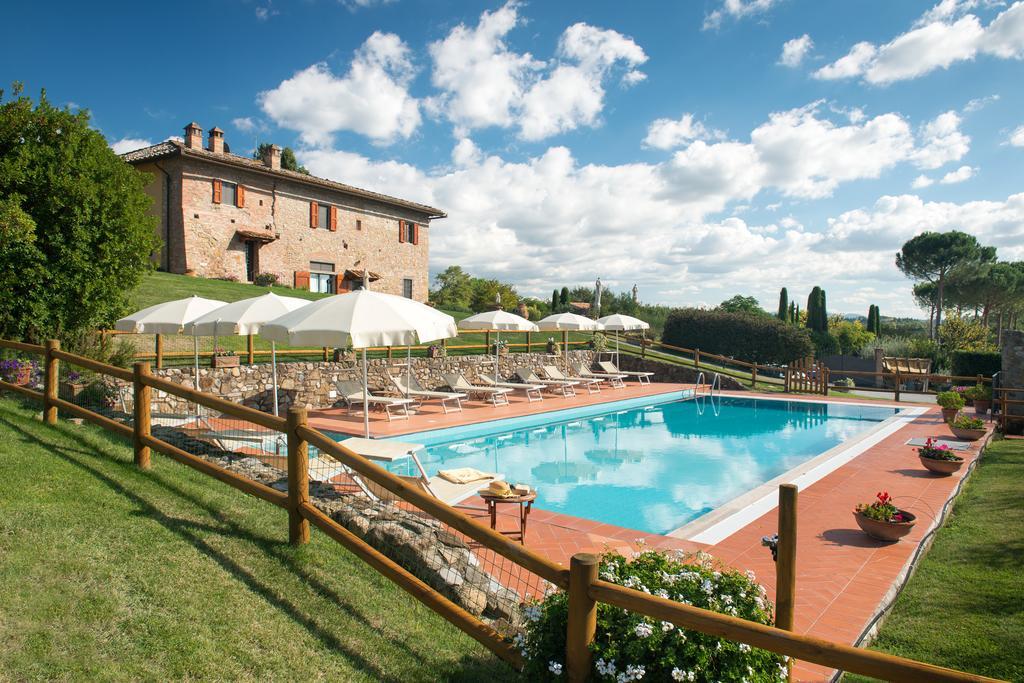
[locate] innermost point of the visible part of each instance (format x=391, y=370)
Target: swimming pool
x=645, y=465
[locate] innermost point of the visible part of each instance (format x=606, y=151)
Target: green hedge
x=969, y=363
x=760, y=339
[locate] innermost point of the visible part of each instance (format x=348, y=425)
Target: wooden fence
x=1002, y=396
x=807, y=376
x=585, y=589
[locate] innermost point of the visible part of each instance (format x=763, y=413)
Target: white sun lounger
x=593, y=384
x=613, y=380
x=641, y=377
x=558, y=386
x=532, y=391
x=415, y=391
x=352, y=393
x=495, y=395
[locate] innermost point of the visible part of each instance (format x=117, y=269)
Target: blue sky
x=699, y=149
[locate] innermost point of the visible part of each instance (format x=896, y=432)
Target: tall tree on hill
x=793, y=317
x=554, y=300
x=812, y=308
x=822, y=313
x=563, y=298
x=783, y=304
x=933, y=256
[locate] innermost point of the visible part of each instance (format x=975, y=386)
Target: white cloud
x=943, y=36
x=959, y=175
x=921, y=181
x=673, y=133
x=129, y=144
x=354, y=5
x=248, y=124
x=941, y=141
x=484, y=83
x=794, y=51
x=979, y=103
x=1017, y=137
x=736, y=9
x=372, y=99
x=264, y=12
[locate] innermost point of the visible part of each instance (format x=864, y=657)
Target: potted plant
x=951, y=402
x=72, y=386
x=981, y=395
x=969, y=428
x=223, y=358
x=939, y=459
x=499, y=347
x=553, y=347
x=882, y=520
x=962, y=390
x=16, y=371
x=344, y=355
x=437, y=351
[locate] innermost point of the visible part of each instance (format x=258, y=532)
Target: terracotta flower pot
x=23, y=377
x=886, y=531
x=968, y=434
x=943, y=467
x=981, y=406
x=949, y=414
x=224, y=362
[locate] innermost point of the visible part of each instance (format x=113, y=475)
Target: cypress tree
x=793, y=316
x=783, y=304
x=554, y=300
x=564, y=297
x=812, y=308
x=822, y=312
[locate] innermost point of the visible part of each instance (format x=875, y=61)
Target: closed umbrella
x=621, y=323
x=566, y=322
x=497, y=321
x=244, y=318
x=361, y=319
x=170, y=317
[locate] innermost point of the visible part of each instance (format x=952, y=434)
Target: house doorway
x=252, y=260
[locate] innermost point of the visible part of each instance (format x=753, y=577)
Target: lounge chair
x=614, y=380
x=532, y=391
x=593, y=384
x=415, y=391
x=352, y=394
x=495, y=395
x=557, y=386
x=641, y=377
x=442, y=489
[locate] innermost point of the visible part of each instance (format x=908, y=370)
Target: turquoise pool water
x=648, y=467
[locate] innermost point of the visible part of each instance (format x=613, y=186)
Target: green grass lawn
x=964, y=608
x=158, y=287
x=110, y=573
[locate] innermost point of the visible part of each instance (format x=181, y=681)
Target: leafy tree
x=288, y=160
x=563, y=299
x=817, y=315
x=742, y=304
x=75, y=222
x=454, y=289
x=932, y=256
x=874, y=321
x=485, y=295
x=792, y=312
x=784, y=311
x=960, y=334
x=850, y=336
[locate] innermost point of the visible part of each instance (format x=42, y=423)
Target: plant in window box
x=222, y=358
x=940, y=458
x=882, y=520
x=981, y=395
x=554, y=348
x=499, y=347
x=951, y=402
x=437, y=351
x=969, y=428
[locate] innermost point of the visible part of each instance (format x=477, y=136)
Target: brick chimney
x=216, y=140
x=193, y=136
x=272, y=158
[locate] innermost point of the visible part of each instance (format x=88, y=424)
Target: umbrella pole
x=366, y=401
x=273, y=370
x=497, y=347
x=408, y=370
x=195, y=350
x=616, y=348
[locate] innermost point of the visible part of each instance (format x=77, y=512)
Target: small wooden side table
x=525, y=503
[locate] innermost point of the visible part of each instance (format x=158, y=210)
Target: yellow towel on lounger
x=462, y=475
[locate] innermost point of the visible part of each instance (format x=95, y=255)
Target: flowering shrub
x=11, y=368
x=940, y=452
x=631, y=647
x=980, y=392
x=964, y=422
x=882, y=509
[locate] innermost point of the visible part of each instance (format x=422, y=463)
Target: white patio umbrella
x=497, y=321
x=245, y=317
x=361, y=319
x=170, y=317
x=566, y=322
x=618, y=322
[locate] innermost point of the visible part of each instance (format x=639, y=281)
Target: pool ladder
x=700, y=399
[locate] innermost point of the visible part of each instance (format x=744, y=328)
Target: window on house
x=229, y=193
x=410, y=232
x=321, y=277
x=359, y=224
x=407, y=288
x=324, y=216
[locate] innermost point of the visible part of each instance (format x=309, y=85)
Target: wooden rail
x=580, y=580
x=1002, y=396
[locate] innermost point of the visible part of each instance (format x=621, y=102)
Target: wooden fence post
x=582, y=616
x=753, y=377
x=298, y=478
x=51, y=367
x=250, y=345
x=897, y=386
x=159, y=351
x=785, y=564
x=528, y=349
x=141, y=412
x=696, y=359
x=325, y=354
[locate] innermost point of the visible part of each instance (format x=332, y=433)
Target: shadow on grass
x=188, y=530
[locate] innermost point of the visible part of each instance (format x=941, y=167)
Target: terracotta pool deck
x=843, y=577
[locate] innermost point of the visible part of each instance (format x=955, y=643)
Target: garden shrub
x=761, y=339
x=630, y=647
x=970, y=363
x=265, y=279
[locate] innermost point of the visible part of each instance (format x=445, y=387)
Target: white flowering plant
x=630, y=647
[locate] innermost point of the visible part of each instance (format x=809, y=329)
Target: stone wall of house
x=1012, y=373
x=667, y=372
x=314, y=384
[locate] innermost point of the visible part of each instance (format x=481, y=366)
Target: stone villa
x=228, y=216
